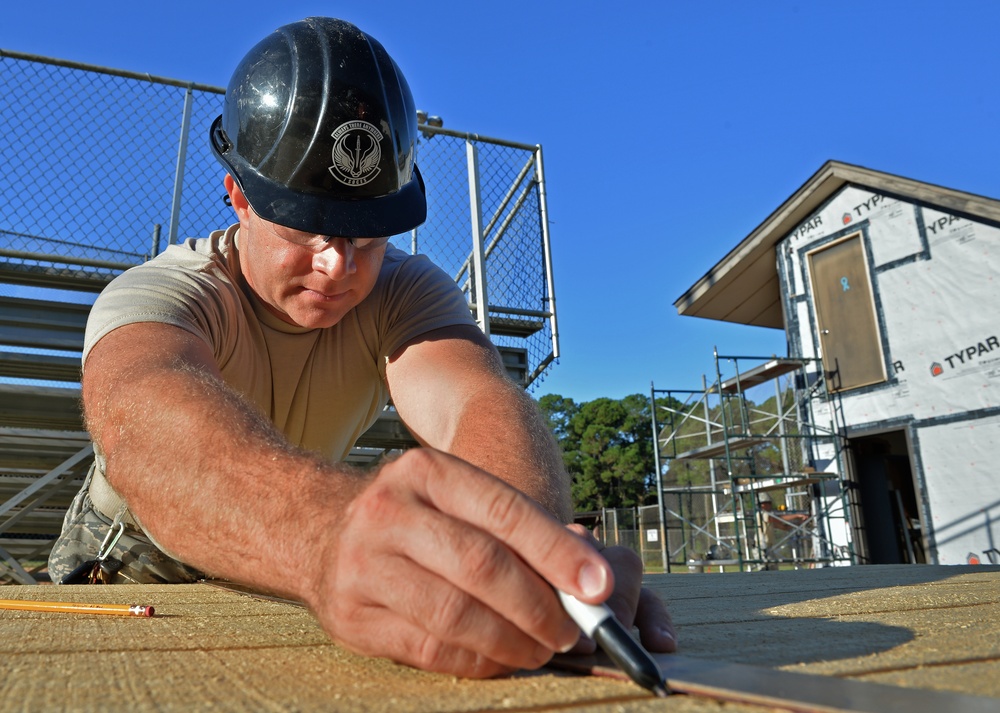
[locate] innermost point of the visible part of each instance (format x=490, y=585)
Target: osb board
x=208, y=648
x=915, y=626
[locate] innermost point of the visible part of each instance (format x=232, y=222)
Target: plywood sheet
x=924, y=627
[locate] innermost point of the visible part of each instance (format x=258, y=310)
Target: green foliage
x=607, y=444
x=607, y=447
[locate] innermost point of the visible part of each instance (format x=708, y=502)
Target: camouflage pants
x=83, y=531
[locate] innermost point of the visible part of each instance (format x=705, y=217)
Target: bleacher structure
x=104, y=167
x=751, y=436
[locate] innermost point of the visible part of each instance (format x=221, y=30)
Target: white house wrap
x=894, y=285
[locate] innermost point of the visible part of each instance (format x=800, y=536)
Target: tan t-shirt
x=321, y=387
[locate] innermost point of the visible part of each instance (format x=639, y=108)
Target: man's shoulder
x=194, y=271
x=217, y=251
x=194, y=259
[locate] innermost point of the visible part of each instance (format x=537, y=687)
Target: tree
x=607, y=447
x=557, y=411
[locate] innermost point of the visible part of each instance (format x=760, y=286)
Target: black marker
x=599, y=623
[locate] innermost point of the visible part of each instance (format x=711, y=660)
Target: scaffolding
x=754, y=473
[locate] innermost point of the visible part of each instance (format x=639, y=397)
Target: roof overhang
x=743, y=287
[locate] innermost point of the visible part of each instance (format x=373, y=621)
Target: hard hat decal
x=357, y=152
x=320, y=136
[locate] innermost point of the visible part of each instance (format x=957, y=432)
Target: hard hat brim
x=322, y=214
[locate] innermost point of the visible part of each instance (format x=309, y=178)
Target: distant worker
x=768, y=521
x=226, y=381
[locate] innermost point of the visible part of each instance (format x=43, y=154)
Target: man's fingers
x=459, y=620
x=488, y=578
x=440, y=565
x=470, y=495
x=452, y=577
x=656, y=629
x=377, y=631
x=632, y=604
x=628, y=574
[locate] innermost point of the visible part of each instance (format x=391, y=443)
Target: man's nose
x=336, y=259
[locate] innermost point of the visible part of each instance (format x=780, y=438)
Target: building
x=891, y=286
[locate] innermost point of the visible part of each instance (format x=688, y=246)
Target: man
x=767, y=522
x=225, y=381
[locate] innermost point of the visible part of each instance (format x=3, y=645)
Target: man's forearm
x=201, y=471
x=453, y=393
x=503, y=433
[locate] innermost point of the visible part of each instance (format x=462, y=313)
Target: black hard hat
x=319, y=131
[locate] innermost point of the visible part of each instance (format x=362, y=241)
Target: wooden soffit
x=743, y=286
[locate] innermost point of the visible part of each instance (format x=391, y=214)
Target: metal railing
x=103, y=168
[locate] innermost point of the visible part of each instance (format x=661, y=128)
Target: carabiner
x=110, y=542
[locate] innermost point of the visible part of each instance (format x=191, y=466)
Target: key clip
x=101, y=569
x=110, y=540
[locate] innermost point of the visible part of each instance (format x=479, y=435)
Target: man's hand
x=451, y=390
x=441, y=566
x=633, y=605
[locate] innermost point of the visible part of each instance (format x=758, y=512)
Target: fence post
x=478, y=248
x=175, y=206
x=543, y=217
x=155, y=247
x=659, y=481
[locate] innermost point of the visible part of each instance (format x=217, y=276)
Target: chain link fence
x=701, y=533
x=637, y=528
x=104, y=168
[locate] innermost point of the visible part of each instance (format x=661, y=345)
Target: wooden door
x=845, y=315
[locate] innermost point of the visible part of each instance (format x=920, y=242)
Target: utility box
x=891, y=286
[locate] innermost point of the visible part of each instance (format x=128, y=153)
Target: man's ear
x=236, y=198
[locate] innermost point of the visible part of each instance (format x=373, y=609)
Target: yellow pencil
x=77, y=608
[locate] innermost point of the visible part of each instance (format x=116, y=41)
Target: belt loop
x=119, y=518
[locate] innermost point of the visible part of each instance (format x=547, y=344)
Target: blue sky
x=670, y=129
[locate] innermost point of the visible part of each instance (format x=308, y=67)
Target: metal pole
x=684, y=521
x=478, y=249
x=779, y=409
x=659, y=480
x=738, y=514
x=68, y=259
x=638, y=530
x=543, y=211
x=155, y=250
x=175, y=207
x=711, y=461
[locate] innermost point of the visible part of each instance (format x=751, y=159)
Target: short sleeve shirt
x=322, y=388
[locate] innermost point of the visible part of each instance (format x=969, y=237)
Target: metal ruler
x=787, y=690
